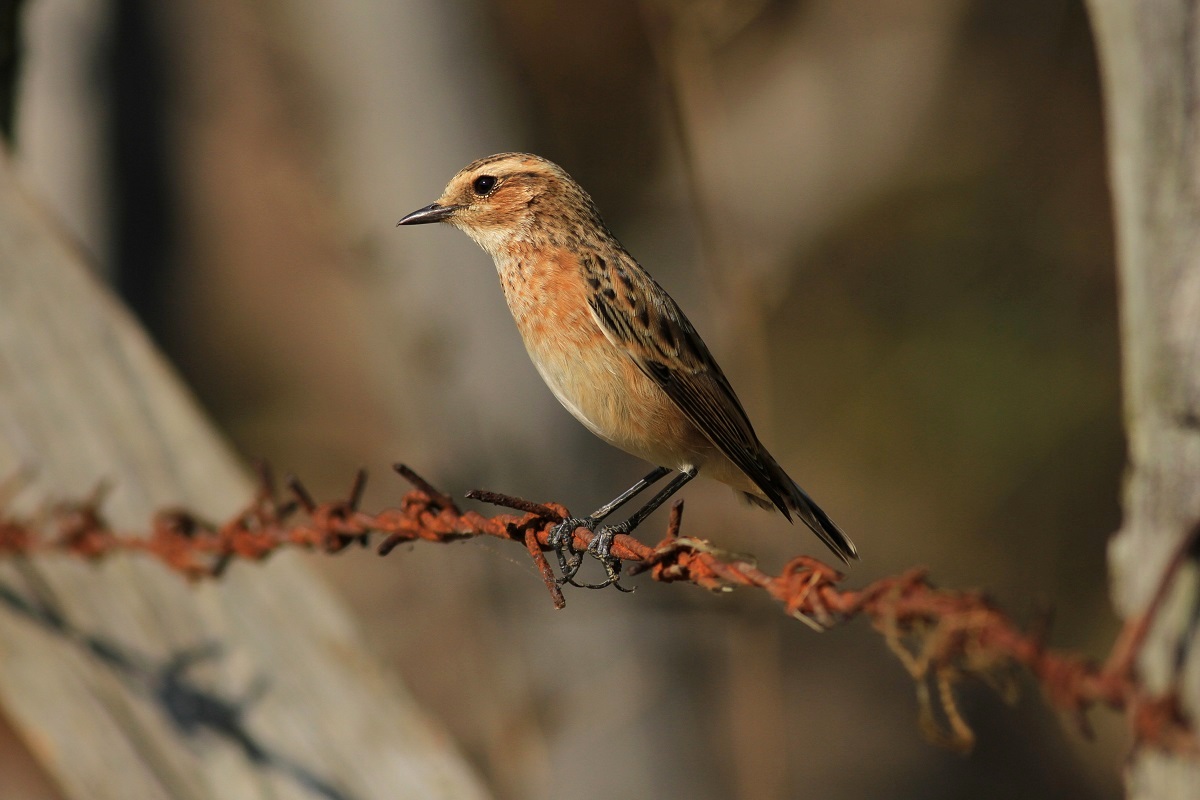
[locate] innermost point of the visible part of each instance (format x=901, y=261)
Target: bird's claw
x=600, y=548
x=562, y=541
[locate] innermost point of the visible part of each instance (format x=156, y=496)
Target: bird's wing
x=638, y=315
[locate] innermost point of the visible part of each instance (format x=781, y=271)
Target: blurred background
x=889, y=219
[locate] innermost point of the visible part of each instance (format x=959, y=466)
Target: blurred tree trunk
x=124, y=680
x=1150, y=62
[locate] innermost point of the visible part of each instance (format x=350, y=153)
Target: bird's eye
x=483, y=184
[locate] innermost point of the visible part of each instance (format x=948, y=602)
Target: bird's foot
x=562, y=541
x=600, y=548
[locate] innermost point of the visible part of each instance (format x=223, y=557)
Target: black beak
x=430, y=213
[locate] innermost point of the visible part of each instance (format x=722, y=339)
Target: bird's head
x=511, y=198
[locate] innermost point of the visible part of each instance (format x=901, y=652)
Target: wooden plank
x=1149, y=53
x=125, y=680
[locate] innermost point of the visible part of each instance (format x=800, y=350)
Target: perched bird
x=612, y=345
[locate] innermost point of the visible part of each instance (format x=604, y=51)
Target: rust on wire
x=940, y=636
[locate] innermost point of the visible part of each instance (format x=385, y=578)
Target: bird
x=614, y=348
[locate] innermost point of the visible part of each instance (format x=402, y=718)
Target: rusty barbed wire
x=942, y=637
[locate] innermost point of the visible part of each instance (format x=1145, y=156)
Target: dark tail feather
x=786, y=495
x=825, y=528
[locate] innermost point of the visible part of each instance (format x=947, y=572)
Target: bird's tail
x=826, y=529
x=789, y=498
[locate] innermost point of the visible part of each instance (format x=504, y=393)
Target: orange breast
x=590, y=375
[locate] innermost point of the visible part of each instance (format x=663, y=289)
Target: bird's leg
x=601, y=543
x=602, y=513
x=564, y=532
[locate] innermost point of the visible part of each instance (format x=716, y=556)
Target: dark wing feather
x=638, y=314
